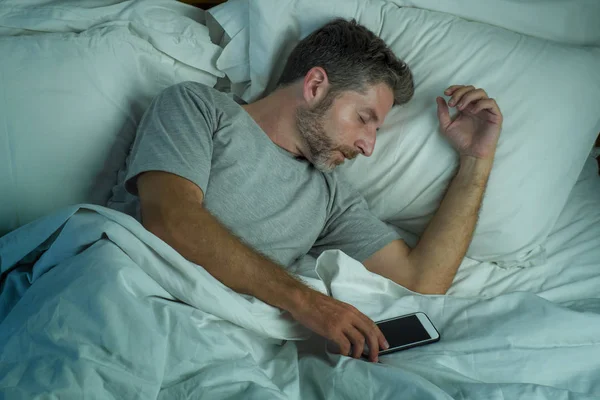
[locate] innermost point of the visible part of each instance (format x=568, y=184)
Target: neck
x=276, y=116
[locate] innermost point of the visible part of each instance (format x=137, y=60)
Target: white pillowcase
x=228, y=24
x=575, y=22
x=71, y=102
x=547, y=92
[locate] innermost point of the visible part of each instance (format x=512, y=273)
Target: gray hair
x=353, y=58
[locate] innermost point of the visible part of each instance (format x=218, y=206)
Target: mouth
x=340, y=157
x=349, y=156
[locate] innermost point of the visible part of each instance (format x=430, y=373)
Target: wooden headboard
x=204, y=4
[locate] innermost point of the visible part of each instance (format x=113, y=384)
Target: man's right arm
x=172, y=209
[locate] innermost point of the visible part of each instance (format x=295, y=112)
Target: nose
x=366, y=144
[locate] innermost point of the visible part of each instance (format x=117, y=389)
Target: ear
x=316, y=86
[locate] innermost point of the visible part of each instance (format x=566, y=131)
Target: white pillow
x=71, y=103
x=575, y=22
x=548, y=94
x=231, y=16
x=232, y=19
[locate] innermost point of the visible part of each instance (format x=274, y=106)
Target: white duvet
x=93, y=304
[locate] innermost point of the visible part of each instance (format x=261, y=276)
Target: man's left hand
x=475, y=129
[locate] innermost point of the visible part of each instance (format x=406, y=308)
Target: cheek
x=342, y=127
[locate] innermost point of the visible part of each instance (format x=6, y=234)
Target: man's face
x=341, y=128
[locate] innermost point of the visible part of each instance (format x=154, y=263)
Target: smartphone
x=407, y=331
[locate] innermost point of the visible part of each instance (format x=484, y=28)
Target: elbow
x=155, y=222
x=157, y=229
x=162, y=232
x=429, y=281
x=424, y=283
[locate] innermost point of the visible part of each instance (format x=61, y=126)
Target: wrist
x=296, y=298
x=474, y=169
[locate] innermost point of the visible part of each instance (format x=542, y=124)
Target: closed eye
x=362, y=119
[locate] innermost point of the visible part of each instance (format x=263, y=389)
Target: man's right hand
x=341, y=323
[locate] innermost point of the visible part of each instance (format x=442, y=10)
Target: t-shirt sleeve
x=351, y=226
x=175, y=136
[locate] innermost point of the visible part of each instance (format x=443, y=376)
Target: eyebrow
x=372, y=114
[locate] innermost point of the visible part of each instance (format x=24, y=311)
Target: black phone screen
x=403, y=331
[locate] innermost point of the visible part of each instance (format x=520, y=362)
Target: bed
x=92, y=305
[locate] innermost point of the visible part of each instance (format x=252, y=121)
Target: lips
x=350, y=156
x=347, y=155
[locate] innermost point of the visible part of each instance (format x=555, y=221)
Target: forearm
x=444, y=243
x=201, y=238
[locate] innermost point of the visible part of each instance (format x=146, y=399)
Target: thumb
x=443, y=113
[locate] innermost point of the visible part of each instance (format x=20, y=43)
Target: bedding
x=530, y=347
x=573, y=249
x=71, y=101
x=546, y=91
x=573, y=22
x=93, y=303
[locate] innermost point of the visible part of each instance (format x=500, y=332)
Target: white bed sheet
x=94, y=306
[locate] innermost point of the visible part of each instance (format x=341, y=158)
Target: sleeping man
x=246, y=190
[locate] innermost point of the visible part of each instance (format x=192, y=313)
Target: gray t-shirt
x=275, y=202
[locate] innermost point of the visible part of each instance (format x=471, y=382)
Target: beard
x=322, y=150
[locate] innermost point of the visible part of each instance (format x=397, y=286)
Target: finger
x=383, y=343
x=470, y=97
x=458, y=94
x=343, y=345
x=357, y=339
x=487, y=104
x=374, y=336
x=379, y=340
x=373, y=340
x=451, y=89
x=443, y=112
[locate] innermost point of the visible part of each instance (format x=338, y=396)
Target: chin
x=325, y=167
x=328, y=165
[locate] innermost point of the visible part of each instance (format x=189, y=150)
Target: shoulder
x=338, y=183
x=342, y=193
x=197, y=91
x=194, y=97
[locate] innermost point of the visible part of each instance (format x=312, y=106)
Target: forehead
x=379, y=97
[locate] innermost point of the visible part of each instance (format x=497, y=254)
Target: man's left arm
x=430, y=267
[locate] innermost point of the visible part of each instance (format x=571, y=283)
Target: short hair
x=353, y=57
